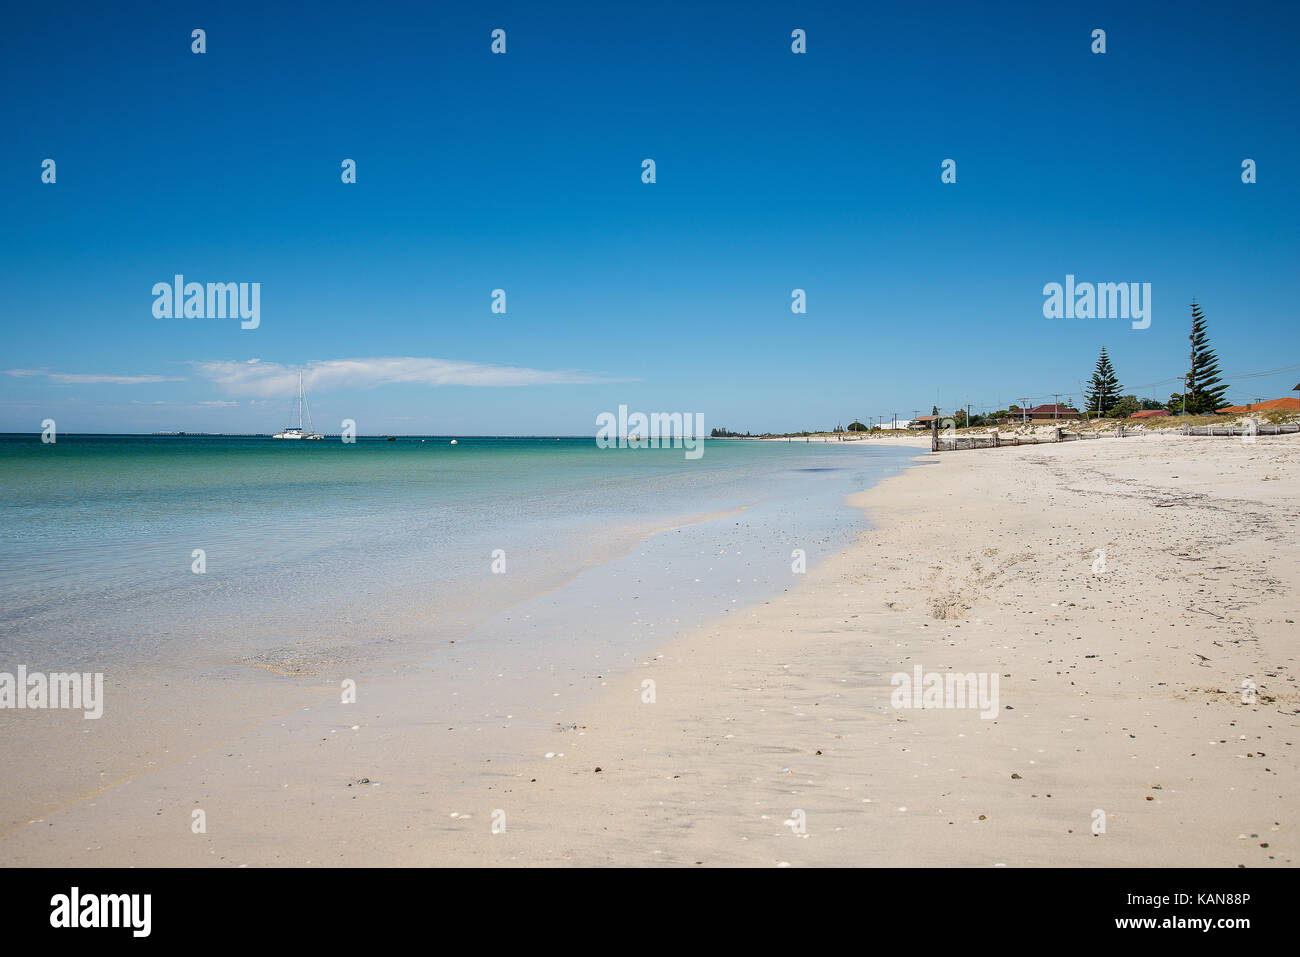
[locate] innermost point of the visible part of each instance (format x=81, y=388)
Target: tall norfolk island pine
x=1104, y=388
x=1204, y=389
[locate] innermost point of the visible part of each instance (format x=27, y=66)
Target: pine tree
x=1202, y=383
x=1104, y=389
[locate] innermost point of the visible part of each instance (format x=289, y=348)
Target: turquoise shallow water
x=380, y=548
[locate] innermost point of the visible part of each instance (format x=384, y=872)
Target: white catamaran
x=290, y=432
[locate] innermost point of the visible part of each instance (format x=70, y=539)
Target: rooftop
x=1272, y=405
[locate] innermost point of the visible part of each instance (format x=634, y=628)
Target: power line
x=1042, y=397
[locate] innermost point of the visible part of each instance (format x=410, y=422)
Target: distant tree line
x=1203, y=391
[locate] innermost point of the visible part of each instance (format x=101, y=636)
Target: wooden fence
x=1226, y=430
x=952, y=443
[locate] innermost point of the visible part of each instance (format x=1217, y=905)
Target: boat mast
x=299, y=401
x=311, y=429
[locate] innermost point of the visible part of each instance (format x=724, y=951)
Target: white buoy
x=454, y=442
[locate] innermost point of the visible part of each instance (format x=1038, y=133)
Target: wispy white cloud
x=76, y=378
x=265, y=379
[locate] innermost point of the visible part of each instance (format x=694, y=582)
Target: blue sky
x=775, y=171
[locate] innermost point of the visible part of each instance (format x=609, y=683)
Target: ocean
x=485, y=590
x=318, y=553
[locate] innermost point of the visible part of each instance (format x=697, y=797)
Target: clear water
x=372, y=552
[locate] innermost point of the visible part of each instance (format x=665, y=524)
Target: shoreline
x=791, y=713
x=504, y=668
x=784, y=706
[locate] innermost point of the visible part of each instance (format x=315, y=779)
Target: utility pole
x=1024, y=412
x=895, y=421
x=1056, y=406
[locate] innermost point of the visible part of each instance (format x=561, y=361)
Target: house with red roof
x=1040, y=413
x=1272, y=405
